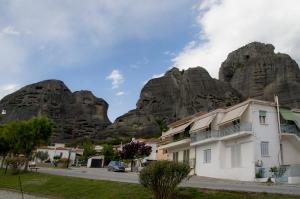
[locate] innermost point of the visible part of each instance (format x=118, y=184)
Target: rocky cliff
x=251, y=71
x=256, y=71
x=76, y=115
x=171, y=97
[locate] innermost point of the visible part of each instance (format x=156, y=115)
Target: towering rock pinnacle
x=173, y=96
x=257, y=72
x=75, y=115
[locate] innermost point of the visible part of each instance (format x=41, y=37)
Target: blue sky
x=113, y=47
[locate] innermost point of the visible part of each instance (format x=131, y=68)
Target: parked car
x=116, y=166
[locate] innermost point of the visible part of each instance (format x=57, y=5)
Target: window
x=207, y=156
x=186, y=156
x=236, y=156
x=175, y=156
x=264, y=149
x=262, y=117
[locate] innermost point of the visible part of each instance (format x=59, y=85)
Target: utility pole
x=279, y=129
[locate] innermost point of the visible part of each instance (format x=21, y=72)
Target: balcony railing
x=290, y=128
x=225, y=131
x=203, y=135
x=229, y=130
x=171, y=139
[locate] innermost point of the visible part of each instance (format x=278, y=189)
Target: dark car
x=116, y=166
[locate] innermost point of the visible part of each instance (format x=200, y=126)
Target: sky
x=114, y=47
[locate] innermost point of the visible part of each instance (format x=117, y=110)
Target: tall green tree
x=109, y=153
x=88, y=150
x=4, y=145
x=25, y=136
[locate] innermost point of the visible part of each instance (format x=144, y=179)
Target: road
x=195, y=181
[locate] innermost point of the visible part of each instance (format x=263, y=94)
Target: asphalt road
x=194, y=181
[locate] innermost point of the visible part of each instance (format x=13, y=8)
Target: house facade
x=242, y=142
x=61, y=151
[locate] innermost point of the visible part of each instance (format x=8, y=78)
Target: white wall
x=65, y=154
x=291, y=155
x=221, y=160
x=266, y=133
x=153, y=155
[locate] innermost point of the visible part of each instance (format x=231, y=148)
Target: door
x=96, y=163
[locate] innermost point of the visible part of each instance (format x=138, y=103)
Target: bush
x=162, y=177
x=42, y=156
x=15, y=163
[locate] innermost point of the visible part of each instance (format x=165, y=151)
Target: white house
x=176, y=142
x=59, y=150
x=242, y=142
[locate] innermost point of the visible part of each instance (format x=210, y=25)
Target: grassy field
x=79, y=188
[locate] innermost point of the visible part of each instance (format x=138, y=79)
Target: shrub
x=162, y=177
x=42, y=155
x=15, y=163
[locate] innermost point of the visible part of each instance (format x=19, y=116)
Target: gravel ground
x=5, y=194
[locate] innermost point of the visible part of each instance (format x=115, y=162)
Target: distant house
x=241, y=142
x=61, y=151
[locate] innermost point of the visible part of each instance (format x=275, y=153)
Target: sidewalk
x=5, y=194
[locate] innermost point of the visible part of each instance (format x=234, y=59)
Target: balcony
x=175, y=140
x=204, y=136
x=235, y=130
x=290, y=129
x=228, y=132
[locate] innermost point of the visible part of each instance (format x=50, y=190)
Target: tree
x=162, y=177
x=31, y=134
x=88, y=150
x=135, y=150
x=4, y=145
x=24, y=136
x=162, y=125
x=109, y=153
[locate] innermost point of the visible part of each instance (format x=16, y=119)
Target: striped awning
x=233, y=114
x=290, y=116
x=178, y=129
x=202, y=123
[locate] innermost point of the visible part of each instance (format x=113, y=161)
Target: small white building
x=240, y=143
x=59, y=150
x=96, y=162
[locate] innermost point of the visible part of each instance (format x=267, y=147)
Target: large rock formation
x=251, y=71
x=257, y=72
x=76, y=115
x=173, y=96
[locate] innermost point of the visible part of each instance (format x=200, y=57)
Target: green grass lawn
x=75, y=188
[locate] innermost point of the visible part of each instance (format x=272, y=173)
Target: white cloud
x=120, y=93
x=116, y=78
x=10, y=30
x=229, y=24
x=7, y=89
x=158, y=75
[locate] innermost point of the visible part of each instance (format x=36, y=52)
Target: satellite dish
x=3, y=112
